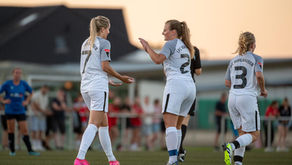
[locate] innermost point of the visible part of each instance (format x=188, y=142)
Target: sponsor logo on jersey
x=107, y=51
x=260, y=64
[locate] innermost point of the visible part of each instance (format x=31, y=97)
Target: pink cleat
x=80, y=162
x=114, y=163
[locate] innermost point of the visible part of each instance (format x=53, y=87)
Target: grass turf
x=195, y=156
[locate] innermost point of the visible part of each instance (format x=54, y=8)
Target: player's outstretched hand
x=264, y=93
x=127, y=79
x=114, y=84
x=144, y=43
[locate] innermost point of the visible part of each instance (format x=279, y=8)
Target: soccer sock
x=105, y=142
x=171, y=143
x=26, y=140
x=238, y=155
x=243, y=140
x=11, y=142
x=86, y=141
x=183, y=132
x=179, y=137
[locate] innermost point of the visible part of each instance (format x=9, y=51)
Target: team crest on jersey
x=107, y=51
x=260, y=64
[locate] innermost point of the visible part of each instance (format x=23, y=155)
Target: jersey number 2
x=182, y=67
x=241, y=76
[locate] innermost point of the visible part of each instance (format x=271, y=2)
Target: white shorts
x=178, y=96
x=243, y=110
x=96, y=100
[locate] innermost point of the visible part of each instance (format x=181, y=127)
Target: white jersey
x=177, y=63
x=93, y=78
x=242, y=74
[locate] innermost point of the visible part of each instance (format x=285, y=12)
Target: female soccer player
x=244, y=74
x=180, y=90
x=94, y=69
x=15, y=92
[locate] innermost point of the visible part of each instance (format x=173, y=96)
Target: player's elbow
x=228, y=83
x=105, y=66
x=259, y=75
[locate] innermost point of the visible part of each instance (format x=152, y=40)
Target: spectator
x=136, y=123
x=156, y=121
x=126, y=109
x=114, y=108
x=58, y=106
x=147, y=123
x=284, y=111
x=271, y=112
x=15, y=101
x=220, y=111
x=80, y=119
x=4, y=126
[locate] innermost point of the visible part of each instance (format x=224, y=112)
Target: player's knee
x=255, y=135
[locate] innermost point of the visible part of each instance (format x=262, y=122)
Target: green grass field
x=195, y=156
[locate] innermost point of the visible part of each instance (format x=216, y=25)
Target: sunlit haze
x=215, y=24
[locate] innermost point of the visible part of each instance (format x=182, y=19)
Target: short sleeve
x=259, y=64
x=227, y=75
x=105, y=47
x=168, y=48
x=27, y=87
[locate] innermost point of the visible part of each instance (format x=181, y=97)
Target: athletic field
x=195, y=156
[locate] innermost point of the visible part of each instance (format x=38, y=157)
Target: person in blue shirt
x=17, y=95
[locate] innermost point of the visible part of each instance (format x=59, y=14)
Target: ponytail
x=186, y=37
x=246, y=40
x=183, y=33
x=96, y=24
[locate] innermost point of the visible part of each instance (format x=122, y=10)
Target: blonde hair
x=183, y=32
x=246, y=40
x=95, y=26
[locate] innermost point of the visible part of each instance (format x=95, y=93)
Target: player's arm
x=27, y=100
x=105, y=63
x=197, y=62
x=228, y=77
x=260, y=76
x=108, y=69
x=155, y=57
x=261, y=83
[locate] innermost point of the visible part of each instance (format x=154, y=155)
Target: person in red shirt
x=136, y=123
x=114, y=108
x=271, y=112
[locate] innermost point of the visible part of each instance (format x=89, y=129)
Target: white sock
x=179, y=135
x=86, y=141
x=239, y=153
x=171, y=143
x=105, y=142
x=244, y=140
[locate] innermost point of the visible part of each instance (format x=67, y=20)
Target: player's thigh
x=98, y=118
x=170, y=120
x=233, y=112
x=98, y=100
x=249, y=114
x=86, y=99
x=10, y=125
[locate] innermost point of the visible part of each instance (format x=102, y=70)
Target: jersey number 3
x=182, y=67
x=241, y=76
